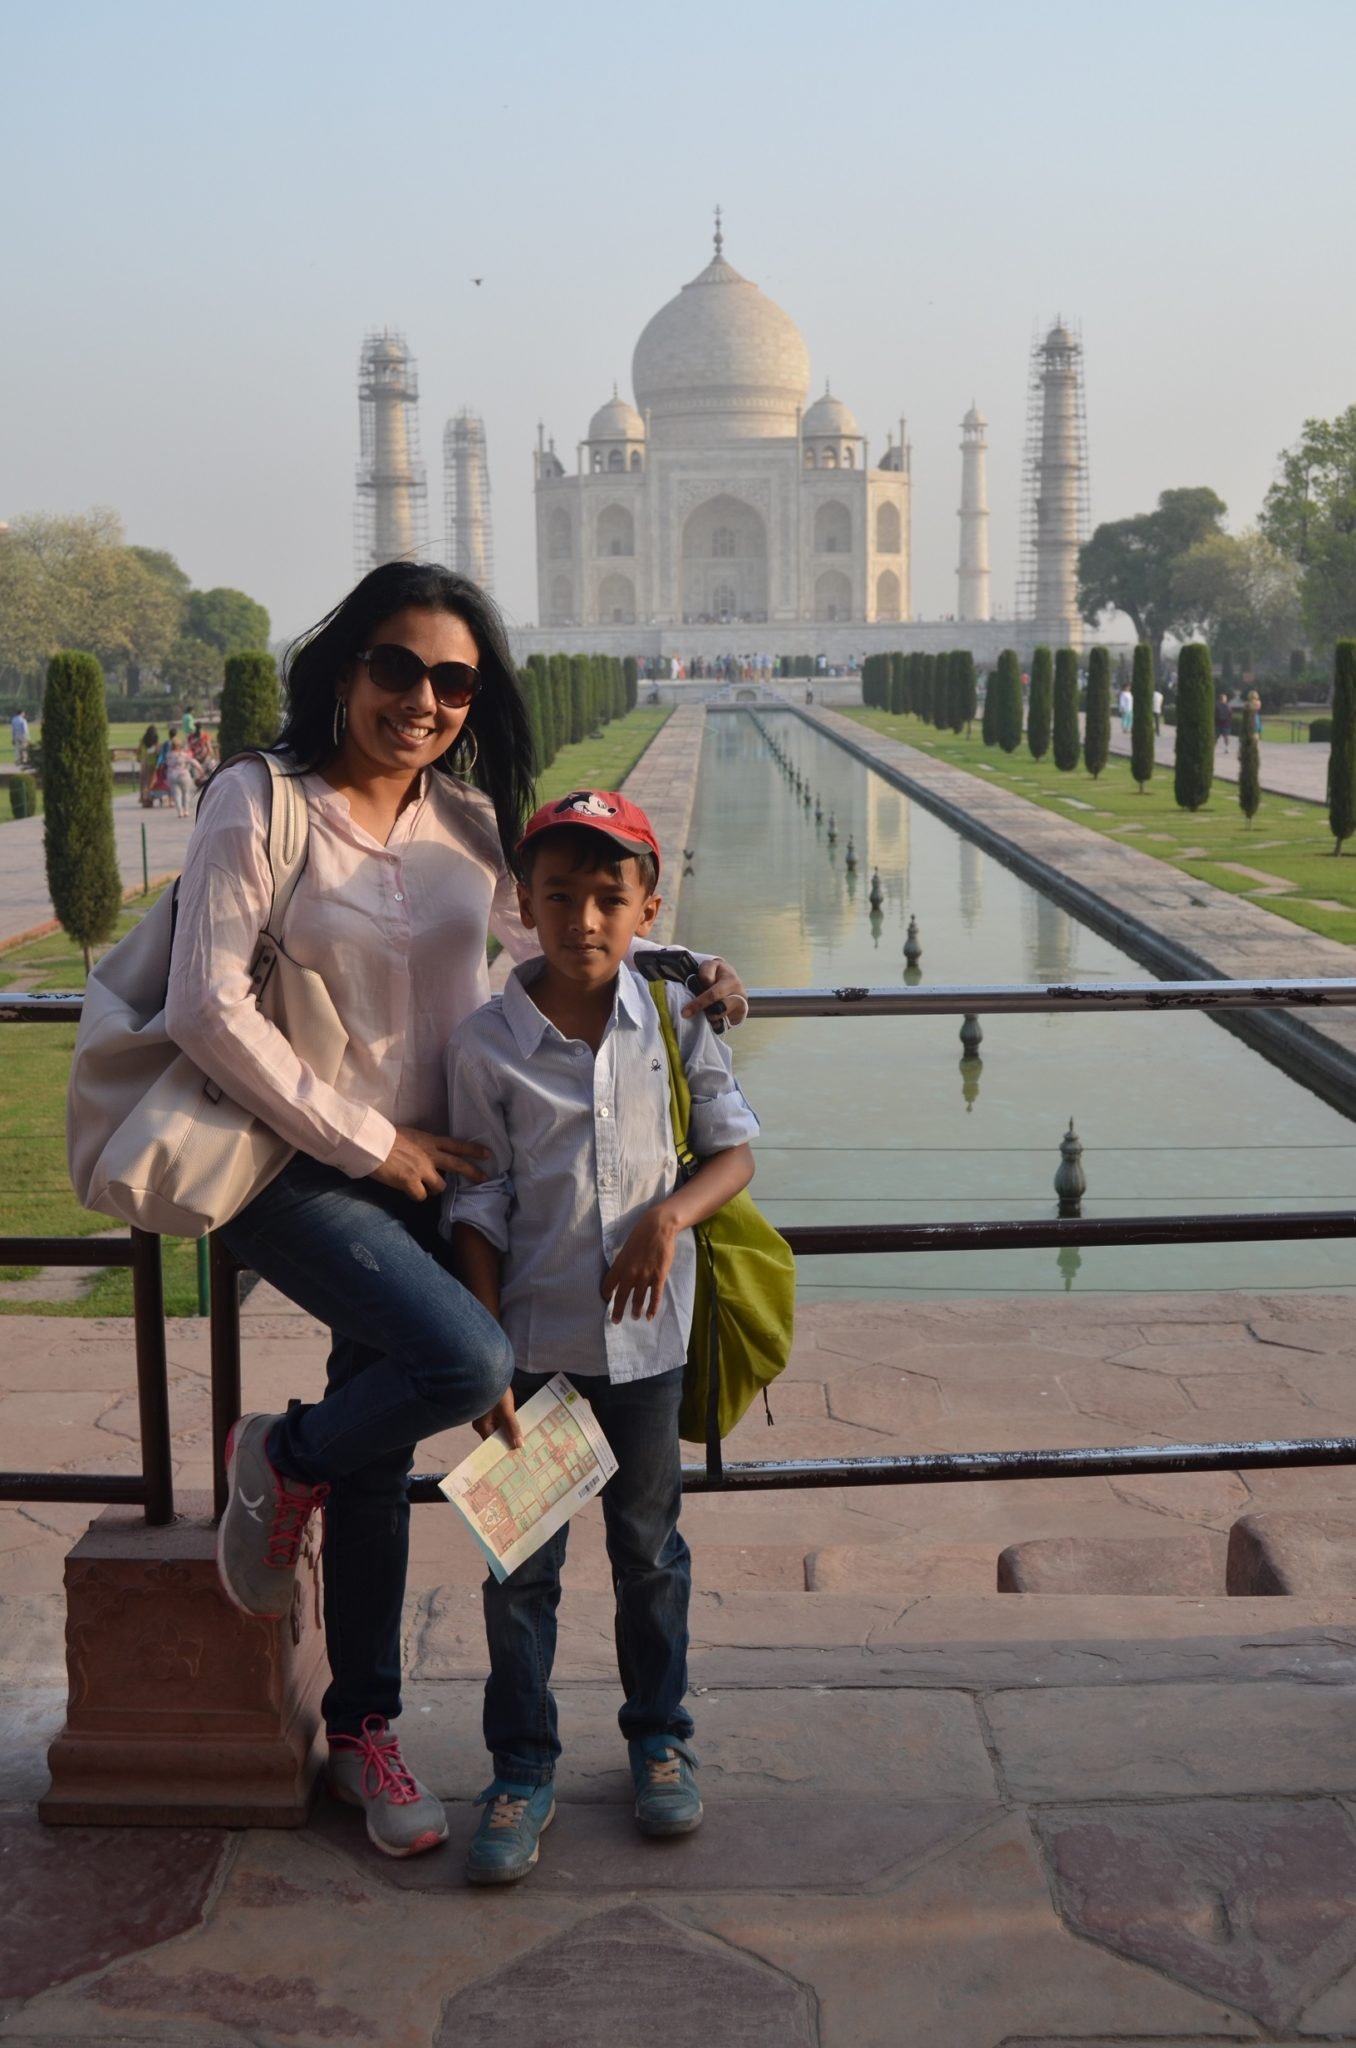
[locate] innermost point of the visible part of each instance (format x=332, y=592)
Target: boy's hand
x=720, y=984
x=503, y=1415
x=641, y=1267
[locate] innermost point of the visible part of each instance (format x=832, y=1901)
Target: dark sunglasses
x=399, y=669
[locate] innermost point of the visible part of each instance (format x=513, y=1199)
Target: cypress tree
x=631, y=681
x=1194, y=761
x=1249, y=784
x=1068, y=741
x=988, y=730
x=1341, y=758
x=1008, y=710
x=77, y=780
x=1097, y=725
x=545, y=710
x=250, y=713
x=896, y=687
x=1142, y=717
x=1039, y=704
x=558, y=673
x=967, y=694
x=927, y=670
x=579, y=697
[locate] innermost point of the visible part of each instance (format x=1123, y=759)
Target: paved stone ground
x=1179, y=926
x=936, y=1814
x=26, y=905
x=1300, y=770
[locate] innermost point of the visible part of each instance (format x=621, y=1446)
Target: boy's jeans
x=651, y=1572
x=413, y=1354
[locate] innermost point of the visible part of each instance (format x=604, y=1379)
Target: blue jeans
x=651, y=1576
x=413, y=1354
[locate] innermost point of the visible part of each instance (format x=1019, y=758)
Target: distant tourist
x=188, y=724
x=1127, y=707
x=1158, y=711
x=182, y=773
x=1255, y=712
x=1224, y=720
x=18, y=732
x=148, y=750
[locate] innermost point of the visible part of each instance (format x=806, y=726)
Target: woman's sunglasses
x=399, y=669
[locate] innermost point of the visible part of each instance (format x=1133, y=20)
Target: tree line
x=73, y=584
x=1259, y=598
x=571, y=696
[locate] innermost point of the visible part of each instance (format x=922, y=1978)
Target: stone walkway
x=1299, y=771
x=26, y=907
x=1178, y=926
x=935, y=1814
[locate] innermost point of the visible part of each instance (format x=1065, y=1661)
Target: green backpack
x=744, y=1314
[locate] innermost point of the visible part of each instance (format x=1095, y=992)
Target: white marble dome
x=720, y=363
x=828, y=416
x=616, y=421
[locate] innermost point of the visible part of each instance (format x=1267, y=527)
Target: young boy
x=579, y=1241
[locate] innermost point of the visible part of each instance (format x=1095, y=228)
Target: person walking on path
x=406, y=727
x=1158, y=712
x=1127, y=708
x=148, y=753
x=565, y=1199
x=1224, y=720
x=182, y=774
x=18, y=732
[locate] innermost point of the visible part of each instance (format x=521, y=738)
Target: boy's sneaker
x=403, y=1816
x=265, y=1520
x=504, y=1846
x=663, y=1771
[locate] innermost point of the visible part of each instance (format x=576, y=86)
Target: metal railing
x=142, y=1254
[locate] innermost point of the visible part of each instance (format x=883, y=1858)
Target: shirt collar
x=527, y=1023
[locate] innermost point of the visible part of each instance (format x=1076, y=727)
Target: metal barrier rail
x=154, y=1489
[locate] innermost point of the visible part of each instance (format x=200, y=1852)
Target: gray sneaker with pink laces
x=403, y=1817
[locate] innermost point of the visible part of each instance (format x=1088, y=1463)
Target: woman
x=395, y=702
x=181, y=773
x=147, y=752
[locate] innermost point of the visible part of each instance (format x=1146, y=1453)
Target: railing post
x=225, y=1354
x=148, y=1310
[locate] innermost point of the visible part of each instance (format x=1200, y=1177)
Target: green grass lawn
x=1288, y=841
x=35, y=1195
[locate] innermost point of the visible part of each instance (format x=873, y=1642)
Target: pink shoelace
x=385, y=1774
x=293, y=1506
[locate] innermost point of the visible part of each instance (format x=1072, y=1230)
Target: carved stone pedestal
x=181, y=1709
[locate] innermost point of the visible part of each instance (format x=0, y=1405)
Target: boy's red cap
x=603, y=810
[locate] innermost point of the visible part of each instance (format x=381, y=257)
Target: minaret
x=392, y=488
x=1060, y=488
x=466, y=499
x=973, y=572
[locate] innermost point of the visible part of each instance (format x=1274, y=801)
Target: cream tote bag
x=149, y=1139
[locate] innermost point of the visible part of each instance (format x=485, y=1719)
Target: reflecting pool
x=884, y=1119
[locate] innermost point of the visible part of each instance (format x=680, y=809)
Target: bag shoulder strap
x=680, y=1095
x=289, y=838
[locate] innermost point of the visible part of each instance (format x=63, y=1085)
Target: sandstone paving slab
x=753, y=1742
x=920, y=1567
x=594, y=1983
x=77, y=1899
x=1122, y=1395
x=1166, y=1740
x=1211, y=1498
x=1250, y=1901
x=788, y=1844
x=1284, y=1554
x=966, y=1952
x=1190, y=1562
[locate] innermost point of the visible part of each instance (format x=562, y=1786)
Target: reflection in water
x=876, y=920
x=862, y=1118
x=1070, y=1263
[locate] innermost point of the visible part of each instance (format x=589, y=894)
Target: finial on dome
x=720, y=239
x=614, y=387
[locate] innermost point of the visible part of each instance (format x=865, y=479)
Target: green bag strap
x=680, y=1112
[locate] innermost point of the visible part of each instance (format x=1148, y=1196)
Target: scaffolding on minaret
x=466, y=499
x=391, y=514
x=1056, y=504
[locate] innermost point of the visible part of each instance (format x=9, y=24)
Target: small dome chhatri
x=830, y=418
x=616, y=421
x=720, y=362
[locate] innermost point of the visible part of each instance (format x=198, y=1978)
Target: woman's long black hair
x=321, y=659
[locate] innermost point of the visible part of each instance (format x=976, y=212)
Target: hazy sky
x=205, y=208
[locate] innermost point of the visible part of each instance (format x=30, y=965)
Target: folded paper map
x=514, y=1500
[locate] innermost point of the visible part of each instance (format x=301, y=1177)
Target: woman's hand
x=418, y=1162
x=642, y=1266
x=720, y=985
x=503, y=1415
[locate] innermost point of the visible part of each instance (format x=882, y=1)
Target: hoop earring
x=340, y=722
x=468, y=770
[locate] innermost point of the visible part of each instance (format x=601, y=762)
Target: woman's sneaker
x=265, y=1520
x=403, y=1817
x=504, y=1846
x=667, y=1799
